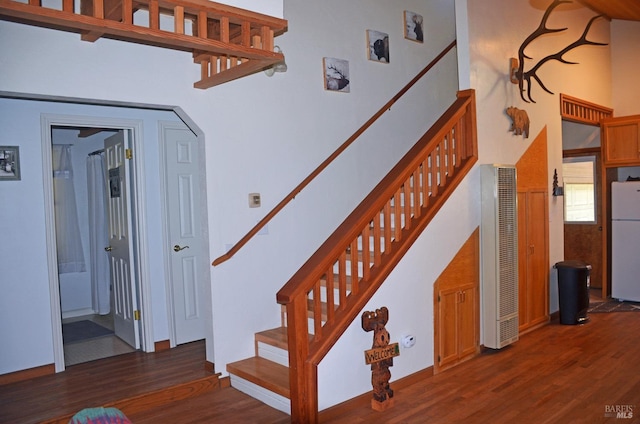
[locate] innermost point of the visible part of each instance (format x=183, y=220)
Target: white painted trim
x=142, y=250
x=50, y=230
x=142, y=270
x=268, y=397
x=273, y=353
x=162, y=126
x=78, y=313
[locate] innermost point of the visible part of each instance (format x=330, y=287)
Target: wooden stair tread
x=275, y=337
x=323, y=281
x=310, y=312
x=264, y=373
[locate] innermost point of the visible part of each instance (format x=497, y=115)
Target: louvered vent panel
x=508, y=331
x=499, y=233
x=508, y=246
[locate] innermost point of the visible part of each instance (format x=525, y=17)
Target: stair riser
x=274, y=400
x=273, y=353
x=155, y=399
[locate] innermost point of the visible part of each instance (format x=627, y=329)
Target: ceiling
x=628, y=10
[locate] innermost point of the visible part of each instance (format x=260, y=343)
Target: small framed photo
x=336, y=74
x=413, y=29
x=378, y=46
x=9, y=163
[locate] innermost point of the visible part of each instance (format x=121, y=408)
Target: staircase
x=329, y=291
x=227, y=42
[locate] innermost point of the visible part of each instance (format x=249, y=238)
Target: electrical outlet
x=408, y=341
x=254, y=200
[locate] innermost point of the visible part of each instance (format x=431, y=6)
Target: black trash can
x=573, y=291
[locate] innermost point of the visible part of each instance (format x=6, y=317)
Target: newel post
x=303, y=375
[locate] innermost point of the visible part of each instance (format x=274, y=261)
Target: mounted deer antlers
x=524, y=78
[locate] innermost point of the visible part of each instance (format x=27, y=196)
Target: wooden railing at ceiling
x=331, y=288
x=226, y=41
x=582, y=112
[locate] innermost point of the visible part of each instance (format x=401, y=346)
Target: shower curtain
x=68, y=241
x=98, y=236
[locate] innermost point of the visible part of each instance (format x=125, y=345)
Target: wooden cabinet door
x=620, y=140
x=468, y=317
x=457, y=307
x=448, y=327
x=533, y=281
x=537, y=264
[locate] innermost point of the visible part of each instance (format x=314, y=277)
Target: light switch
x=254, y=200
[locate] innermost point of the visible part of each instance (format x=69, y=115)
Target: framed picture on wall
x=413, y=29
x=336, y=74
x=9, y=163
x=378, y=46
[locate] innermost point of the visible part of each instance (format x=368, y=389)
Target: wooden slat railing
x=581, y=111
x=377, y=234
x=387, y=106
x=226, y=41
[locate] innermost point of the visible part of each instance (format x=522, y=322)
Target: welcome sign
x=381, y=353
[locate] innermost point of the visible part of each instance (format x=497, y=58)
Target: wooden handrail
x=264, y=221
x=377, y=234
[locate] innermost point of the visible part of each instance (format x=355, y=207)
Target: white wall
x=24, y=304
x=625, y=39
x=496, y=32
x=267, y=7
x=265, y=135
x=579, y=136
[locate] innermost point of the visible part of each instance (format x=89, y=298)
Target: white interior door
x=120, y=239
x=186, y=240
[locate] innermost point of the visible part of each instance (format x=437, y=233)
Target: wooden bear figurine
x=380, y=374
x=519, y=121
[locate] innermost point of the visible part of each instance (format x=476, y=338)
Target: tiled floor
x=595, y=295
x=99, y=348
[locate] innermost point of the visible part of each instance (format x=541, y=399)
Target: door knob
x=177, y=248
x=108, y=249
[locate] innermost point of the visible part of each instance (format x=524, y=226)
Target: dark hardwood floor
x=556, y=374
x=131, y=381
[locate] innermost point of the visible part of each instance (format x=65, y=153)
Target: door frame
x=138, y=203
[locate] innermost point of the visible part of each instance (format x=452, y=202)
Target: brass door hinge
x=136, y=315
x=128, y=153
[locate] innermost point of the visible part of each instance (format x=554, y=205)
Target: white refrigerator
x=625, y=240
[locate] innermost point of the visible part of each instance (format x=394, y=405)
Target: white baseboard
x=77, y=313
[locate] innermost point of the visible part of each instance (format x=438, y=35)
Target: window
x=579, y=189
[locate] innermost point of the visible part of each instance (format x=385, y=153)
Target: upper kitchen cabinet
x=620, y=141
